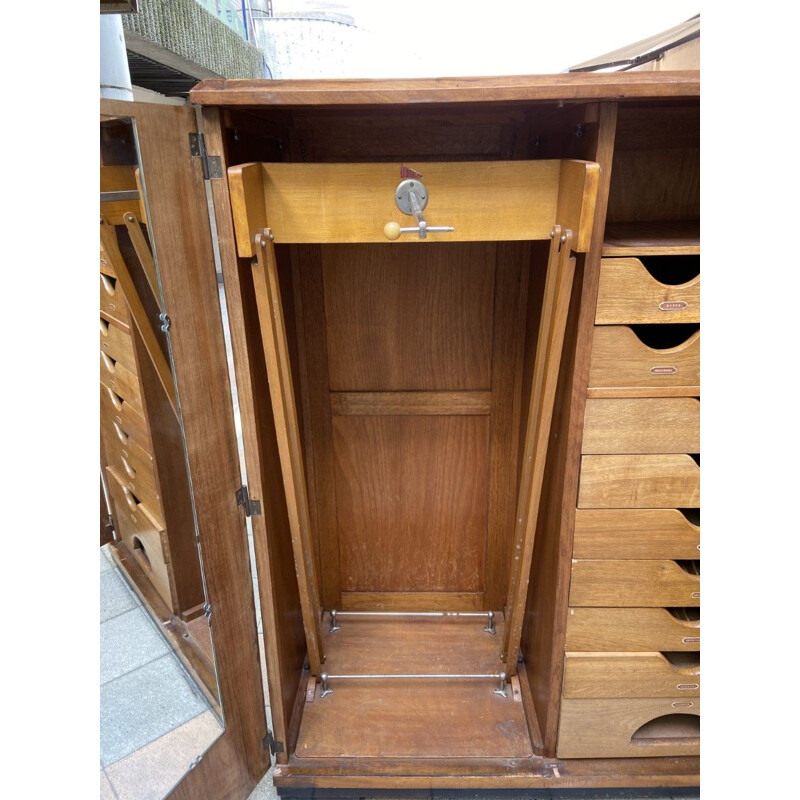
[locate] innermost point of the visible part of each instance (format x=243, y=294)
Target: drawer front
x=620, y=360
x=594, y=675
x=639, y=481
x=112, y=406
x=649, y=533
x=134, y=467
x=632, y=629
x=144, y=536
x=121, y=381
x=105, y=263
x=641, y=425
x=112, y=301
x=628, y=293
x=633, y=583
x=636, y=727
x=117, y=343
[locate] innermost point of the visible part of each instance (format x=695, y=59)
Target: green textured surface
x=185, y=28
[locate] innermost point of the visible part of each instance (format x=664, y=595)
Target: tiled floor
x=154, y=722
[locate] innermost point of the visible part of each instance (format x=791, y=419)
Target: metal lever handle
x=411, y=197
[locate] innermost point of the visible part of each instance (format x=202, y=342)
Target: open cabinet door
x=180, y=231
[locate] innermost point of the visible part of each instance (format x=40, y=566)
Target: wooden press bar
x=552, y=326
x=276, y=354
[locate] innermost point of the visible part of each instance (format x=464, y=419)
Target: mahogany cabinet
x=465, y=320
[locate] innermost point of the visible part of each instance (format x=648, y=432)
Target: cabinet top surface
x=507, y=89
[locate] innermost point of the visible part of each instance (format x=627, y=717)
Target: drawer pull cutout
x=668, y=729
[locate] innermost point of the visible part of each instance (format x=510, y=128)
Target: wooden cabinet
x=474, y=443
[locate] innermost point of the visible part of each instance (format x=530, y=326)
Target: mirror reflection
x=159, y=699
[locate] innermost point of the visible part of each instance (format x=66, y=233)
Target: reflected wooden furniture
x=393, y=392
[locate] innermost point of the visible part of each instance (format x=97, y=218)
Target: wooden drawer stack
x=142, y=499
x=632, y=666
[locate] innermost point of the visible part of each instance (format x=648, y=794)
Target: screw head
x=263, y=242
x=563, y=237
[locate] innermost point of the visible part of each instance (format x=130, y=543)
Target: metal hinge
x=271, y=745
x=207, y=612
x=251, y=507
x=108, y=522
x=166, y=322
x=212, y=165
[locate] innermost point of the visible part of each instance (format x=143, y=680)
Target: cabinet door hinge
x=212, y=165
x=271, y=745
x=251, y=507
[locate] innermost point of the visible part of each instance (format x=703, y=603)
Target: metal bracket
x=166, y=322
x=251, y=507
x=212, y=165
x=108, y=522
x=207, y=612
x=271, y=745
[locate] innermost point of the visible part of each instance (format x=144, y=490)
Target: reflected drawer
x=105, y=263
x=652, y=533
x=116, y=342
x=114, y=407
x=133, y=466
x=143, y=534
x=635, y=583
x=629, y=293
x=632, y=675
x=112, y=301
x=633, y=629
x=639, y=481
x=621, y=360
x=636, y=727
x=641, y=425
x=120, y=380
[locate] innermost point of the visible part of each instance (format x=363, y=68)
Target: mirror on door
x=159, y=698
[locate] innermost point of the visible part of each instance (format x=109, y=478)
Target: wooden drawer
x=642, y=425
x=143, y=534
x=633, y=629
x=620, y=360
x=628, y=293
x=116, y=342
x=114, y=407
x=639, y=481
x=112, y=301
x=634, y=583
x=640, y=727
x=120, y=380
x=133, y=466
x=105, y=263
x=652, y=533
x=590, y=675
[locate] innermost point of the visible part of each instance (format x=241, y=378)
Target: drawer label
x=673, y=305
x=683, y=705
x=688, y=686
x=663, y=370
x=695, y=595
x=691, y=640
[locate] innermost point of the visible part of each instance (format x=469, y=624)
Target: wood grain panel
x=620, y=359
x=624, y=629
x=402, y=319
x=661, y=238
x=628, y=293
x=411, y=500
x=631, y=675
x=403, y=719
x=639, y=584
x=506, y=88
x=413, y=601
x=604, y=728
x=635, y=533
x=410, y=403
x=444, y=645
x=642, y=425
x=639, y=481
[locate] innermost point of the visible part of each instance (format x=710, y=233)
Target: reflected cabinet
x=464, y=318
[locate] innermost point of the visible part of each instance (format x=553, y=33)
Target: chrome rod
x=500, y=676
x=489, y=615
